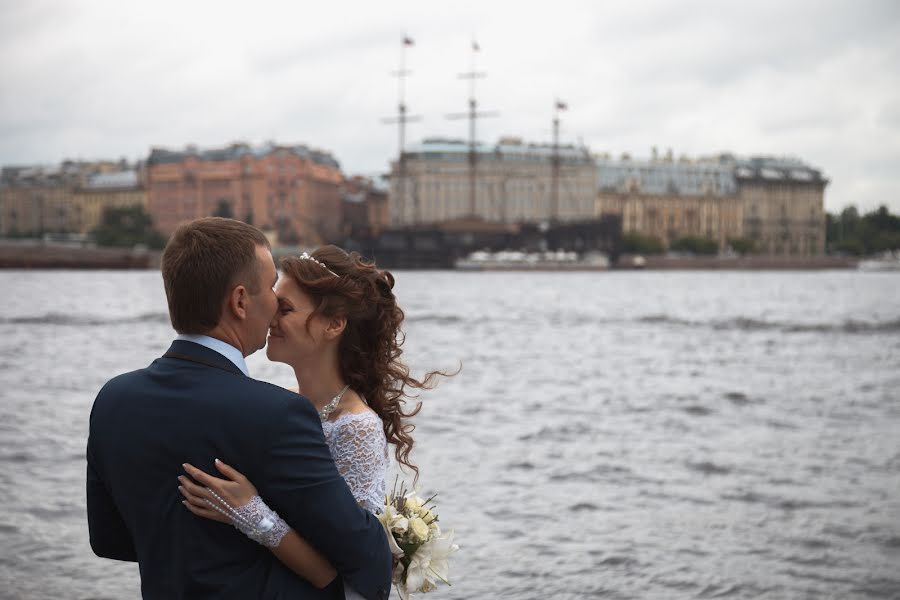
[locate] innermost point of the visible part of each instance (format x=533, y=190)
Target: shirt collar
x=223, y=348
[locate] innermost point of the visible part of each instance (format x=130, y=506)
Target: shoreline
x=31, y=254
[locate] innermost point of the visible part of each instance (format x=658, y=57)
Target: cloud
x=816, y=80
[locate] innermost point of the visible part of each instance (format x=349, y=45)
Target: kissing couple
x=222, y=486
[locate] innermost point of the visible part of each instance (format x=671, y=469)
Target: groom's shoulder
x=277, y=398
x=123, y=381
x=114, y=390
x=262, y=406
x=231, y=392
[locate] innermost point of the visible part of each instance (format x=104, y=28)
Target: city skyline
x=104, y=80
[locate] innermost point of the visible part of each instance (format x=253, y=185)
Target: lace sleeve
x=360, y=453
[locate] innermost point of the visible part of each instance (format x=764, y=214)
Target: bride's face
x=290, y=340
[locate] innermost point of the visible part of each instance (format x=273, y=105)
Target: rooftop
x=773, y=168
x=656, y=177
x=717, y=175
x=239, y=150
x=121, y=179
x=509, y=149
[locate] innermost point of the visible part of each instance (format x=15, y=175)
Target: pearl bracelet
x=255, y=520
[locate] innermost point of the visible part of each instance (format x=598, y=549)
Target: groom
x=198, y=403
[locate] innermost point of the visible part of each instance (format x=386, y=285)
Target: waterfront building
x=65, y=198
x=292, y=190
x=121, y=189
x=514, y=183
x=777, y=204
x=668, y=200
x=783, y=200
x=365, y=206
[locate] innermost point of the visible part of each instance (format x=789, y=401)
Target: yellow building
x=668, y=200
x=102, y=191
x=784, y=206
x=778, y=204
x=70, y=198
x=34, y=210
x=669, y=217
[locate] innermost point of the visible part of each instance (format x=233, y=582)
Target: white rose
x=413, y=503
x=418, y=529
x=400, y=525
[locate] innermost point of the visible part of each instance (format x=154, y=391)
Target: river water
x=611, y=435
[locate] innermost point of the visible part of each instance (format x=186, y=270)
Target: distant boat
x=888, y=261
x=511, y=260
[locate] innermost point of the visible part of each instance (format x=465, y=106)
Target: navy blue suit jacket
x=146, y=423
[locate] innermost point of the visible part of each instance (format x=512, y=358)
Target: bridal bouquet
x=421, y=551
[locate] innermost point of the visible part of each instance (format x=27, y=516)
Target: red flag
x=407, y=41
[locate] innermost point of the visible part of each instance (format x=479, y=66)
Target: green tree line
x=851, y=233
x=846, y=232
x=132, y=225
x=127, y=227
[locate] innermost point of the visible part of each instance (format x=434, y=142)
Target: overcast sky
x=819, y=80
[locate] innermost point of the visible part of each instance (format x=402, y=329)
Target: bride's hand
x=236, y=490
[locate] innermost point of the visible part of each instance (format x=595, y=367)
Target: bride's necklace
x=331, y=406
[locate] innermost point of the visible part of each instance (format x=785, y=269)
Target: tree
x=635, y=243
x=286, y=231
x=874, y=232
x=695, y=245
x=126, y=227
x=224, y=209
x=742, y=245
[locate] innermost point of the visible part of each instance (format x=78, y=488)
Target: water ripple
x=639, y=435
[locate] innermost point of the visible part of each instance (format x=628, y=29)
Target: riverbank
x=751, y=263
x=34, y=254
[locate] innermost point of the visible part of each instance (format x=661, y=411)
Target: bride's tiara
x=306, y=256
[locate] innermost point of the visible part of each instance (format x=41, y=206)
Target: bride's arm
x=293, y=551
x=360, y=454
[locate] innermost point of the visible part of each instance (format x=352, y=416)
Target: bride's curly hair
x=370, y=348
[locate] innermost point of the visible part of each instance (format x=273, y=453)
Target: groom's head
x=218, y=275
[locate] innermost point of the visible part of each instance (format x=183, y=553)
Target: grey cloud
x=889, y=116
x=720, y=44
x=814, y=79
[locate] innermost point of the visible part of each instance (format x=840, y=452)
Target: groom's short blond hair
x=203, y=261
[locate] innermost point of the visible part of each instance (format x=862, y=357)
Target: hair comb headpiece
x=306, y=256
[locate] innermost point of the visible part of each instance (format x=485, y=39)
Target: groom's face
x=264, y=304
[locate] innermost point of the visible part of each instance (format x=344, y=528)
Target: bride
x=338, y=327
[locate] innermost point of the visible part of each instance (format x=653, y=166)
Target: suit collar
x=191, y=351
x=224, y=348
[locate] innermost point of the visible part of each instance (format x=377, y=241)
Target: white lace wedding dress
x=359, y=449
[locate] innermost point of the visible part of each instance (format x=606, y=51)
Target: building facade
x=122, y=189
x=514, y=183
x=365, y=206
x=669, y=200
x=783, y=203
x=777, y=204
x=68, y=198
x=292, y=190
